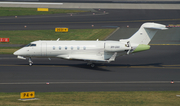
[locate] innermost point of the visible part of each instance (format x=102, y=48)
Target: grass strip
x=17, y=11
x=8, y=50
x=26, y=36
x=128, y=98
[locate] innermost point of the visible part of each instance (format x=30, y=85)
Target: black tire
x=92, y=65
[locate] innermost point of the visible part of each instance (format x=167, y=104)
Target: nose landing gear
x=30, y=62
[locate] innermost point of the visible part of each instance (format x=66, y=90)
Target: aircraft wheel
x=92, y=65
x=30, y=64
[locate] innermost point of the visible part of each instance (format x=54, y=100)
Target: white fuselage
x=83, y=50
x=92, y=51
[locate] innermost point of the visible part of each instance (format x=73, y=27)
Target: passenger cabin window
x=59, y=47
x=54, y=48
x=65, y=48
x=84, y=48
x=71, y=48
x=78, y=48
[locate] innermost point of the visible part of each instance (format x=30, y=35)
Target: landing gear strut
x=30, y=62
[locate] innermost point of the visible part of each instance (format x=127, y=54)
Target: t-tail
x=140, y=40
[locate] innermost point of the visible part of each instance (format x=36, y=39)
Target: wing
x=92, y=58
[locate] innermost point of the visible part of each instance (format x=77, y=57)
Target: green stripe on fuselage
x=141, y=47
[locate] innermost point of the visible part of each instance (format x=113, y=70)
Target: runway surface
x=95, y=4
x=100, y=19
x=150, y=70
x=101, y=1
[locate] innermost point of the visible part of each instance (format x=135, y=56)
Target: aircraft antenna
x=58, y=39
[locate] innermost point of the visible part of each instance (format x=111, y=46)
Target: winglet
x=112, y=57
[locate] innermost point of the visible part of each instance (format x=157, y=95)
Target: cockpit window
x=29, y=45
x=33, y=45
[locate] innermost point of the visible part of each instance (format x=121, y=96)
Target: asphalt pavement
x=101, y=19
x=151, y=70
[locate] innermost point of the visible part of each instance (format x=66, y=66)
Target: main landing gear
x=92, y=65
x=30, y=62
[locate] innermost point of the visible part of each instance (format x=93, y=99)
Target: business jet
x=91, y=52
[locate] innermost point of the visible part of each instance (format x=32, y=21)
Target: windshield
x=33, y=45
x=29, y=45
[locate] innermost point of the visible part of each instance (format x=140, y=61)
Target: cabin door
x=43, y=49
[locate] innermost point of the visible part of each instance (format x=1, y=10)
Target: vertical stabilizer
x=146, y=33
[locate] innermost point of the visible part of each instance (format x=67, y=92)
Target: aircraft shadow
x=98, y=67
x=129, y=65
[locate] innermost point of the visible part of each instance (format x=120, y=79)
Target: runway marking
x=178, y=19
x=36, y=65
x=30, y=3
x=172, y=65
x=145, y=67
x=108, y=82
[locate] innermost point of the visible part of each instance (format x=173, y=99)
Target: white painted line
x=178, y=95
x=113, y=82
x=28, y=99
x=112, y=33
x=30, y=3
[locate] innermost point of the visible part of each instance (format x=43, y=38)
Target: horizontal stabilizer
x=160, y=28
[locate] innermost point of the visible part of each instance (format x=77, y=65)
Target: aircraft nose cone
x=19, y=52
x=16, y=53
